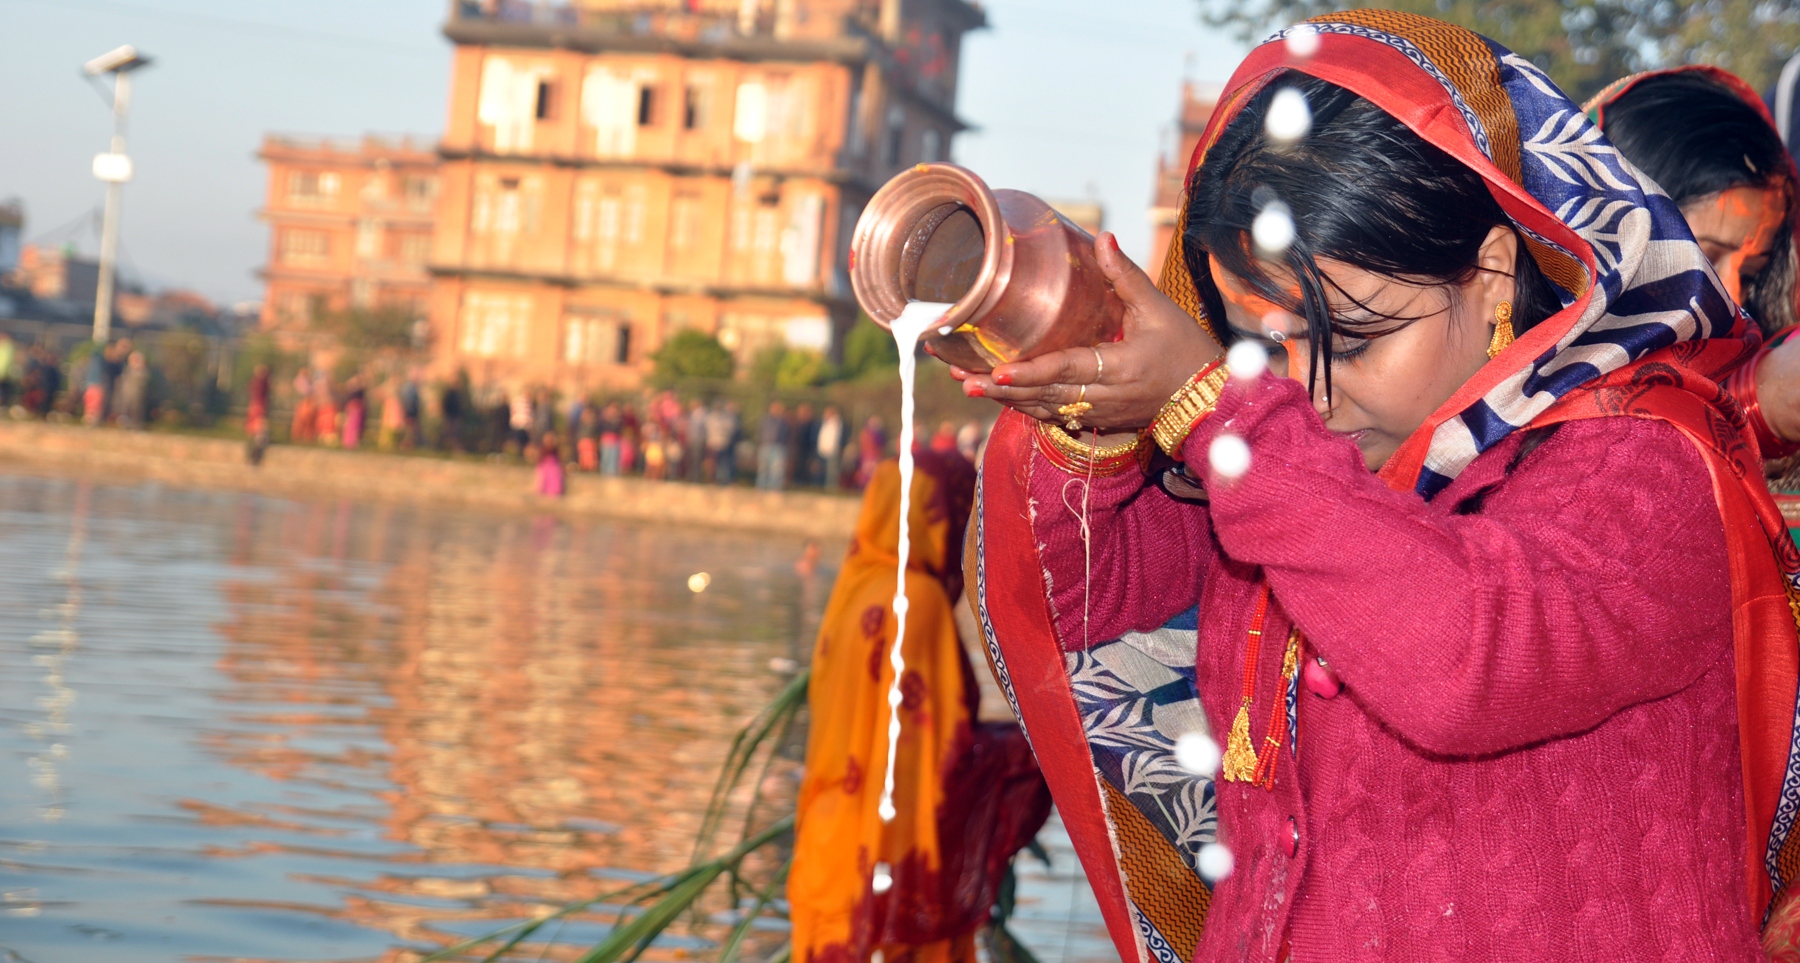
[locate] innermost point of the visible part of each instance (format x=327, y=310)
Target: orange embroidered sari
x=968, y=795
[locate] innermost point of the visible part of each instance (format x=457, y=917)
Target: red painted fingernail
x=975, y=389
x=1003, y=377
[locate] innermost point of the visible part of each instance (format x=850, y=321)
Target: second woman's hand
x=1161, y=349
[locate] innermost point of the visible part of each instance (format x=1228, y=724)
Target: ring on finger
x=1099, y=365
x=1074, y=410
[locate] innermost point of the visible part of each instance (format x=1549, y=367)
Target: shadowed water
x=234, y=727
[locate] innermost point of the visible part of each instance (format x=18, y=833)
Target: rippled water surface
x=234, y=727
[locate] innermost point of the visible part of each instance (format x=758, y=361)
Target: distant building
x=57, y=273
x=12, y=231
x=350, y=225
x=618, y=170
x=1197, y=104
x=1090, y=216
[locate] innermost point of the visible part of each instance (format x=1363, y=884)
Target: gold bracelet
x=1193, y=402
x=1077, y=457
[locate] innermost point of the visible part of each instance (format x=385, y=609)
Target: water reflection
x=237, y=728
x=256, y=729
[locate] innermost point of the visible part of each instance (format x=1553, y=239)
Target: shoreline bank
x=304, y=471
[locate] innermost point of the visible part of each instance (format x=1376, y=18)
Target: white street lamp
x=113, y=167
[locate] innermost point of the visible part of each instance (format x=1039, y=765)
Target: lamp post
x=113, y=167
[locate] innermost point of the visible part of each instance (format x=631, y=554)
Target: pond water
x=242, y=728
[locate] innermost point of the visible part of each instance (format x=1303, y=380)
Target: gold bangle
x=1193, y=402
x=1078, y=457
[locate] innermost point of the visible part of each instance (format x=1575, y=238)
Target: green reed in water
x=679, y=893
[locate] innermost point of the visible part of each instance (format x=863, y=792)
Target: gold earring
x=1503, y=332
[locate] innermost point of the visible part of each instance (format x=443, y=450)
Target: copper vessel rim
x=896, y=208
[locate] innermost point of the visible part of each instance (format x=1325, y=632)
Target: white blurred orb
x=883, y=879
x=1289, y=118
x=1303, y=40
x=1247, y=360
x=1273, y=230
x=1229, y=456
x=1216, y=862
x=887, y=811
x=698, y=582
x=1197, y=753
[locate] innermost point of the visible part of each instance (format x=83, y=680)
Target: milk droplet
x=887, y=811
x=1303, y=40
x=1216, y=862
x=1289, y=118
x=1273, y=230
x=698, y=582
x=1229, y=456
x=1197, y=753
x=883, y=879
x=1247, y=360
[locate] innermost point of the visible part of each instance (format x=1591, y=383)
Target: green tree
x=869, y=351
x=367, y=331
x=1583, y=44
x=692, y=354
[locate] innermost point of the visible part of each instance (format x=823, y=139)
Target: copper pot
x=1022, y=278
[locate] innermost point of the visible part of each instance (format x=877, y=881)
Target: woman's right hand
x=1162, y=347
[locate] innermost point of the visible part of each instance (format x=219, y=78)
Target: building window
x=695, y=110
x=368, y=239
x=415, y=248
x=545, y=92
x=494, y=325
x=685, y=216
x=750, y=121
x=596, y=339
x=646, y=106
x=305, y=247
x=312, y=188
x=931, y=145
x=896, y=131
x=420, y=191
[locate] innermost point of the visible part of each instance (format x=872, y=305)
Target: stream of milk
x=908, y=328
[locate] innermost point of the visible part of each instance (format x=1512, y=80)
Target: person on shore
x=722, y=427
x=871, y=448
x=1491, y=602
x=391, y=423
x=356, y=409
x=612, y=431
x=519, y=418
x=695, y=441
x=327, y=418
x=803, y=446
x=301, y=430
x=967, y=794
x=134, y=392
x=944, y=439
x=412, y=434
x=1708, y=141
x=256, y=415
x=655, y=454
x=968, y=440
x=543, y=413
x=453, y=404
x=777, y=434
x=97, y=390
x=587, y=439
x=829, y=448
x=549, y=475
x=630, y=438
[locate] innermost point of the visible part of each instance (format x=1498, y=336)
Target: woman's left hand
x=1778, y=389
x=1163, y=346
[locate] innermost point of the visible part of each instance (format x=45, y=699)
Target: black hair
x=1363, y=189
x=1695, y=137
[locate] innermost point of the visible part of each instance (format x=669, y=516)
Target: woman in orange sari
x=967, y=795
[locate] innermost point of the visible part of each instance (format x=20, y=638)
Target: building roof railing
x=410, y=147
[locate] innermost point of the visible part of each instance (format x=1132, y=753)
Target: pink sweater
x=1534, y=756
